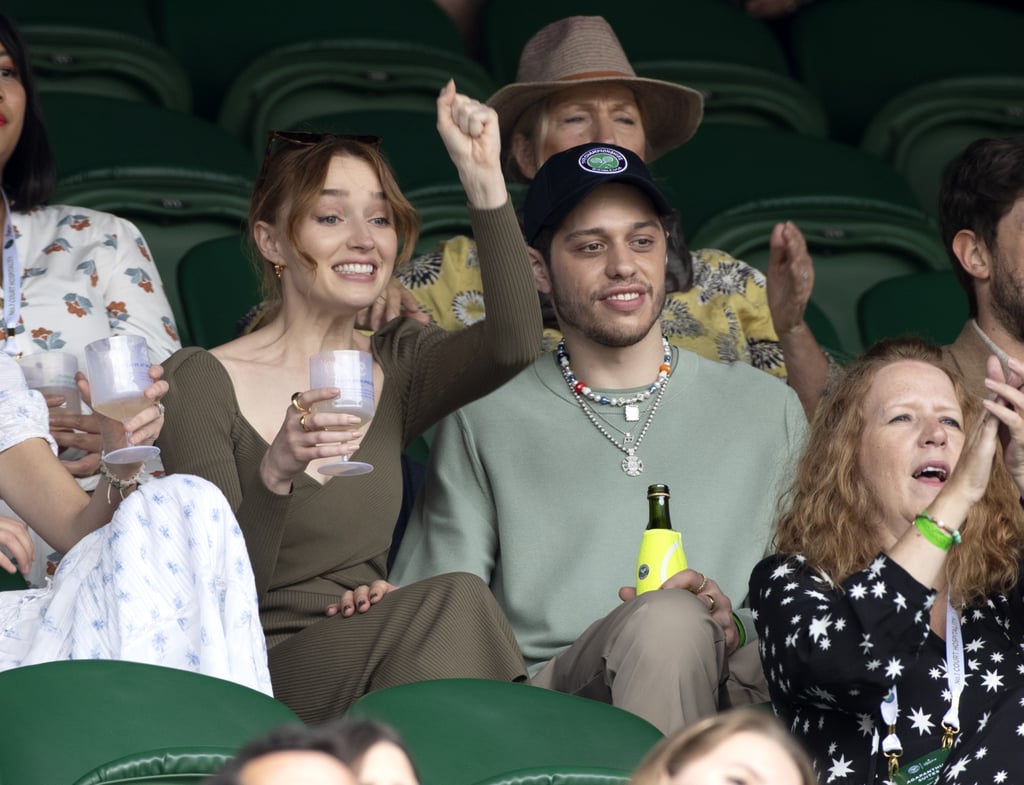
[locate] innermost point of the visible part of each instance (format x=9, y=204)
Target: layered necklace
x=631, y=464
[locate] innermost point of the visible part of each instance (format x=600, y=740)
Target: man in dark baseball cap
x=540, y=487
x=567, y=178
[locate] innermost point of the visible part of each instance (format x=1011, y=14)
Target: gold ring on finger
x=703, y=583
x=302, y=422
x=711, y=607
x=296, y=402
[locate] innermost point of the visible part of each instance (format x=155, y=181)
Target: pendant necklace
x=630, y=409
x=631, y=464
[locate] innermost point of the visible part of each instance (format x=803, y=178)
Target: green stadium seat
x=857, y=55
x=921, y=130
x=285, y=87
x=219, y=285
x=100, y=722
x=743, y=95
x=109, y=50
x=476, y=731
x=930, y=305
x=723, y=167
x=217, y=41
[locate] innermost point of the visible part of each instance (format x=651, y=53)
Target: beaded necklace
x=629, y=404
x=631, y=464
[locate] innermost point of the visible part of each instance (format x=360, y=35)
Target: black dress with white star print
x=831, y=654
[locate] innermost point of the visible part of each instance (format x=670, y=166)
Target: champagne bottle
x=661, y=549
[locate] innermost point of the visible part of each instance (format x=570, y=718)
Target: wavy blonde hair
x=832, y=517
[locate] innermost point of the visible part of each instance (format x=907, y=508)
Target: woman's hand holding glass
x=141, y=430
x=306, y=435
x=119, y=376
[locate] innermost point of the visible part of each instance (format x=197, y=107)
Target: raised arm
x=790, y=283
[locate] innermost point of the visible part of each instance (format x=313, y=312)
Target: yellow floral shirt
x=724, y=316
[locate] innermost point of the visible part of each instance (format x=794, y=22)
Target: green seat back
x=857, y=55
x=931, y=305
x=709, y=31
x=725, y=166
x=110, y=50
x=854, y=243
x=921, y=130
x=286, y=87
x=179, y=178
x=740, y=94
x=103, y=721
x=217, y=41
x=218, y=285
x=470, y=731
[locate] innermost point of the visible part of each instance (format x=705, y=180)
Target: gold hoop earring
x=278, y=270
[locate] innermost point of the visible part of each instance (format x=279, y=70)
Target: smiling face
x=911, y=440
x=606, y=274
x=349, y=233
x=12, y=107
x=745, y=758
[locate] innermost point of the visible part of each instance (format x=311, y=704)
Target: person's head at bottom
x=376, y=753
x=287, y=755
x=345, y=752
x=746, y=746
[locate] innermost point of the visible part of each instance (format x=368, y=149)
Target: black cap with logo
x=567, y=178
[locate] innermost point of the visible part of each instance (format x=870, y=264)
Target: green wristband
x=741, y=630
x=933, y=533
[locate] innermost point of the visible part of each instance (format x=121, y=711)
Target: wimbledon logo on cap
x=603, y=160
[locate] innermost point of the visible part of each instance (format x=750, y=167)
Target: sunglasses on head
x=275, y=139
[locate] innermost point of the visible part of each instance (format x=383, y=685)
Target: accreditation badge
x=924, y=770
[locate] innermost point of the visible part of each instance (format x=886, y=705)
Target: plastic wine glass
x=351, y=371
x=53, y=373
x=118, y=371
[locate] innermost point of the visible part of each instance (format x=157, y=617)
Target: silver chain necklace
x=631, y=464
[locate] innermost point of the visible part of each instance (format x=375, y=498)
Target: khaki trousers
x=662, y=657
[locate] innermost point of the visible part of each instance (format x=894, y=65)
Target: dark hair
x=979, y=187
x=30, y=174
x=355, y=737
x=346, y=740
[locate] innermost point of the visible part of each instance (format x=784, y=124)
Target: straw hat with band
x=585, y=50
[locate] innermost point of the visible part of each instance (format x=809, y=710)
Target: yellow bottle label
x=661, y=557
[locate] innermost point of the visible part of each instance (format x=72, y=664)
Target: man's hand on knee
x=708, y=592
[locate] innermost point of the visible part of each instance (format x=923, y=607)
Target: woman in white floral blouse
x=157, y=575
x=71, y=275
x=890, y=619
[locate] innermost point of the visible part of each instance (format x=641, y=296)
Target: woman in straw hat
x=575, y=85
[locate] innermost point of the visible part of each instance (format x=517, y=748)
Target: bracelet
x=117, y=482
x=741, y=630
x=936, y=532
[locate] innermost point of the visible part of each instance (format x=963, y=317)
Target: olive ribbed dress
x=310, y=545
